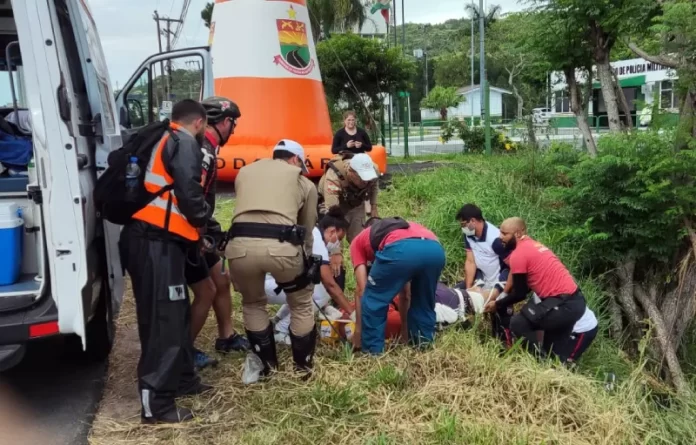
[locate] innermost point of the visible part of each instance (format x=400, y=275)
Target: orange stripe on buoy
x=297, y=2
x=275, y=109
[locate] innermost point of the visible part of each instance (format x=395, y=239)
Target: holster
x=310, y=274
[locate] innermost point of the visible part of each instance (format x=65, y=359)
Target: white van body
x=71, y=282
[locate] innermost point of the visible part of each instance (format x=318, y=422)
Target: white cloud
x=129, y=35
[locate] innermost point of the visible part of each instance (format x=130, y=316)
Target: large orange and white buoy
x=264, y=59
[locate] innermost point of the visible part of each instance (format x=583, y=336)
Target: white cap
x=294, y=148
x=362, y=165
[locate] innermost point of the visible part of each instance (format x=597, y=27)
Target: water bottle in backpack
x=132, y=179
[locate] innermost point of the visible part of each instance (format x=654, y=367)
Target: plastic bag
x=252, y=369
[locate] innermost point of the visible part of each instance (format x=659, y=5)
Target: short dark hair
x=283, y=155
x=468, y=212
x=334, y=218
x=188, y=110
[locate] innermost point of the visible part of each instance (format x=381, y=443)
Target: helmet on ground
x=217, y=108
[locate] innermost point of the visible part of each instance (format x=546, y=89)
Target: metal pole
x=482, y=62
x=406, y=119
x=159, y=43
x=426, y=74
x=473, y=54
x=397, y=106
x=488, y=119
x=403, y=26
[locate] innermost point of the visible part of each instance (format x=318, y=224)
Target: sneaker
x=234, y=342
x=202, y=360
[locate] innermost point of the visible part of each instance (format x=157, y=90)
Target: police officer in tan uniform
x=275, y=211
x=349, y=180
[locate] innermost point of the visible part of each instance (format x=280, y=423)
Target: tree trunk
x=443, y=114
x=530, y=129
x=623, y=103
x=608, y=93
x=578, y=110
x=663, y=339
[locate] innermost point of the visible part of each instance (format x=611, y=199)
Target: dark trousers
x=571, y=347
x=157, y=270
x=500, y=325
x=555, y=316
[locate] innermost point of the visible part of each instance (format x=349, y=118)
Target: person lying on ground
x=401, y=252
x=534, y=267
x=330, y=232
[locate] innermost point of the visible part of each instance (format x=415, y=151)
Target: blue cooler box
x=11, y=238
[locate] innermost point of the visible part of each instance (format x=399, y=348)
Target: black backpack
x=110, y=189
x=380, y=229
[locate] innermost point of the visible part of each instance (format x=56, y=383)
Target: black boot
x=303, y=351
x=263, y=345
x=174, y=415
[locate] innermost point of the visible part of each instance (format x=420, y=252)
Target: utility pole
x=168, y=32
x=473, y=54
x=482, y=84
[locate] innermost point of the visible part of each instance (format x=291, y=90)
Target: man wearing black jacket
x=154, y=246
x=204, y=273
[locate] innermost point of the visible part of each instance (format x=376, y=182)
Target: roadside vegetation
x=594, y=213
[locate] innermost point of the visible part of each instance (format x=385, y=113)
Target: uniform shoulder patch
x=333, y=187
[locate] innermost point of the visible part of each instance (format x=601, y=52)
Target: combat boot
x=263, y=345
x=174, y=415
x=303, y=352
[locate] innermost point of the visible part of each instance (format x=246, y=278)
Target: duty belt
x=285, y=234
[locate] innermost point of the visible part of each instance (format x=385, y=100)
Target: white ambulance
x=62, y=274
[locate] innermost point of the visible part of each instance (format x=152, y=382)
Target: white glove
x=353, y=317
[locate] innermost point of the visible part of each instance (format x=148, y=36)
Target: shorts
x=198, y=265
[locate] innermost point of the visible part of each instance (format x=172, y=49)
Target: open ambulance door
x=162, y=80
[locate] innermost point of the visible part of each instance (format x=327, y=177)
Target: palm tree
x=491, y=16
x=329, y=16
x=207, y=14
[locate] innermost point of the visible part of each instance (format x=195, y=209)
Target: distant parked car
x=541, y=115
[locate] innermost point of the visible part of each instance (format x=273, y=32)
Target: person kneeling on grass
x=407, y=259
x=534, y=267
x=331, y=231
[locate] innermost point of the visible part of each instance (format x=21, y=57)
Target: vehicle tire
x=101, y=328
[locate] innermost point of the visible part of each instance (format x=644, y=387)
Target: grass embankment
x=458, y=392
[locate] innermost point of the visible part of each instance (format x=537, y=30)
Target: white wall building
x=640, y=80
x=472, y=99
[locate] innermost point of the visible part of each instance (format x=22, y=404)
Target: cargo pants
x=250, y=259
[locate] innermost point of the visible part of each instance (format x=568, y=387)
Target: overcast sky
x=128, y=32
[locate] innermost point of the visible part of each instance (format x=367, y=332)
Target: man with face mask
x=210, y=285
x=154, y=248
x=535, y=268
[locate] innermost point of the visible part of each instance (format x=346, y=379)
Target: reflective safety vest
x=155, y=213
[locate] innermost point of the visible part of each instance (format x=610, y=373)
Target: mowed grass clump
x=460, y=391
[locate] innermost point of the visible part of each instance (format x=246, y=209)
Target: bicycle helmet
x=217, y=108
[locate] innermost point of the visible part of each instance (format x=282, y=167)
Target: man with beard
x=534, y=267
x=204, y=274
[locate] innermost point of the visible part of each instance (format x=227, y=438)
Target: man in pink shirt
x=407, y=259
x=534, y=267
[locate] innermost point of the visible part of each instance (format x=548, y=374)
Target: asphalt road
x=58, y=391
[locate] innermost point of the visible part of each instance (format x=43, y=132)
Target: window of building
x=668, y=99
x=562, y=102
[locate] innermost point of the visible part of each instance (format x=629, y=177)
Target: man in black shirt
x=351, y=138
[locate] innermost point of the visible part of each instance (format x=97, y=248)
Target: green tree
x=207, y=14
x=675, y=47
x=564, y=46
x=452, y=70
x=328, y=16
x=359, y=72
x=441, y=98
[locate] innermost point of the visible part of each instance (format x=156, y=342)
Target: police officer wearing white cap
x=271, y=232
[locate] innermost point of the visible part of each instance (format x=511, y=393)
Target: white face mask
x=333, y=245
x=468, y=232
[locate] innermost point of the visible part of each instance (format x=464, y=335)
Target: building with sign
x=642, y=82
x=471, y=105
